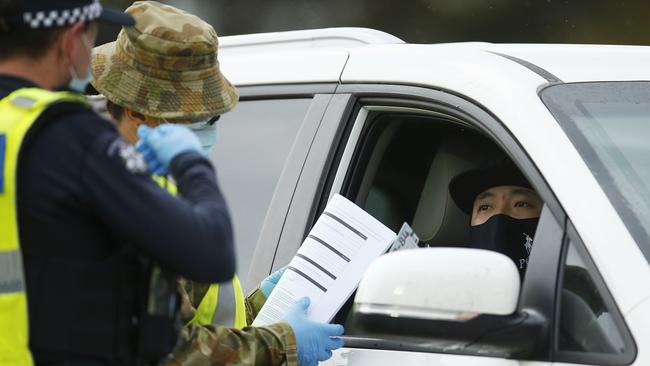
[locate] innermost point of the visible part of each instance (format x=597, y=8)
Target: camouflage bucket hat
x=165, y=66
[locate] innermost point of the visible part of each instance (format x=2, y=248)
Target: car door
x=392, y=150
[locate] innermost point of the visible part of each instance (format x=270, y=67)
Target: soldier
x=165, y=69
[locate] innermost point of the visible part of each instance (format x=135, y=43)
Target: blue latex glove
x=314, y=340
x=160, y=145
x=268, y=284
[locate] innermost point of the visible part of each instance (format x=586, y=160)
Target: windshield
x=609, y=123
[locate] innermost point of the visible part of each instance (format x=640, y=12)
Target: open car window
x=401, y=173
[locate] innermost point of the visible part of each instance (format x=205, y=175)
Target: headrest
x=437, y=219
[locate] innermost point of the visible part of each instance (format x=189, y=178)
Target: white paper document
x=330, y=262
x=406, y=239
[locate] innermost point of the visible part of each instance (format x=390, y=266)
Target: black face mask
x=506, y=235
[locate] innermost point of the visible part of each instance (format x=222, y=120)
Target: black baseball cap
x=39, y=14
x=464, y=187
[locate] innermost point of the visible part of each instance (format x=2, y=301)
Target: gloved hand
x=160, y=145
x=314, y=340
x=268, y=284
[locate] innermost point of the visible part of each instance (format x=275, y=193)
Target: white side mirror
x=439, y=284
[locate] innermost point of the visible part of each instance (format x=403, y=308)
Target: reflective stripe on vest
x=223, y=304
x=11, y=272
x=18, y=112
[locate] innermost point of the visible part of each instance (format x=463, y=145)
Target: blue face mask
x=207, y=134
x=79, y=84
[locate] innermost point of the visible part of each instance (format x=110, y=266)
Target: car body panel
x=311, y=38
x=639, y=320
x=583, y=63
x=289, y=67
x=311, y=181
x=366, y=357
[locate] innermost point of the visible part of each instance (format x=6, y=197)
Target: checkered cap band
x=61, y=17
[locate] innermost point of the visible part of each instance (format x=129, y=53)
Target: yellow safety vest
x=223, y=304
x=18, y=112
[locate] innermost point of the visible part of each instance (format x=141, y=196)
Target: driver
x=503, y=206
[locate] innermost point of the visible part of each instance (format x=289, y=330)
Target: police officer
x=71, y=187
x=118, y=71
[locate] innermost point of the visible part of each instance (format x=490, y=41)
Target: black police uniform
x=86, y=210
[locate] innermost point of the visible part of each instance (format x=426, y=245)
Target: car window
x=402, y=171
x=586, y=322
x=253, y=142
x=607, y=123
x=391, y=174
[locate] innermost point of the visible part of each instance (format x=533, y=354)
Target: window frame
x=625, y=358
x=314, y=173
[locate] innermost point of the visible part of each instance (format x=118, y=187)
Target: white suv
x=388, y=124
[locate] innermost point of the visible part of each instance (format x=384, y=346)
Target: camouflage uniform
x=166, y=67
x=215, y=346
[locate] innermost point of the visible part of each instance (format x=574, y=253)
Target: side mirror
x=439, y=283
x=456, y=295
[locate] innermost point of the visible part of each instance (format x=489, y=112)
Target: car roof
x=321, y=55
x=582, y=63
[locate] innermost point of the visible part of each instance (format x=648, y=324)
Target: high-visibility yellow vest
x=223, y=304
x=18, y=112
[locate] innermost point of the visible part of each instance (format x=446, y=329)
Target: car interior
x=401, y=173
x=409, y=164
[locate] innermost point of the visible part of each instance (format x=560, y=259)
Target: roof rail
x=301, y=39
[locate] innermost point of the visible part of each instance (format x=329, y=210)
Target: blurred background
x=430, y=21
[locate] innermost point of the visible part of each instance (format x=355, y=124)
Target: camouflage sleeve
x=254, y=302
x=217, y=346
x=185, y=290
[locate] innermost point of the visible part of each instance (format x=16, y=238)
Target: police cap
x=37, y=14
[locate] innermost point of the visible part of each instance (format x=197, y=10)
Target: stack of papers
x=331, y=261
